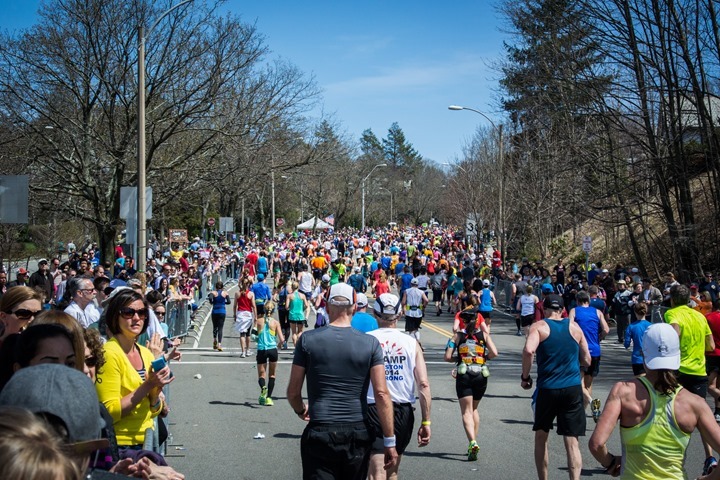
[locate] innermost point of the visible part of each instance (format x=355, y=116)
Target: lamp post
x=391, y=201
x=141, y=237
x=501, y=201
x=363, y=191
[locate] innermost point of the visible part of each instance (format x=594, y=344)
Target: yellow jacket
x=116, y=379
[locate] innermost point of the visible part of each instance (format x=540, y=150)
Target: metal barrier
x=657, y=313
x=177, y=317
x=503, y=293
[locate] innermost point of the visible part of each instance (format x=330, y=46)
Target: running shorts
x=264, y=356
x=565, y=404
x=404, y=416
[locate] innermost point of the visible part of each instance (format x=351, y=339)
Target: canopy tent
x=313, y=223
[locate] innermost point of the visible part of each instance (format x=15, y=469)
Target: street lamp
x=363, y=190
x=501, y=205
x=141, y=237
x=391, y=201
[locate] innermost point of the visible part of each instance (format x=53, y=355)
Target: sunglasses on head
x=24, y=314
x=128, y=312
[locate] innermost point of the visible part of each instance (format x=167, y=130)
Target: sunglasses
x=159, y=314
x=24, y=314
x=128, y=312
x=91, y=362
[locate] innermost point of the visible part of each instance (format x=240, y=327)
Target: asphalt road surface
x=214, y=418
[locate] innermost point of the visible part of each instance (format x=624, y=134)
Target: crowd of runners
x=311, y=292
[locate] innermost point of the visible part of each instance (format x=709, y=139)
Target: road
x=214, y=418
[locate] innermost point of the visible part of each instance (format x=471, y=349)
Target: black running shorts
x=527, y=320
x=412, y=323
x=473, y=384
x=404, y=425
x=694, y=383
x=565, y=404
x=593, y=369
x=264, y=356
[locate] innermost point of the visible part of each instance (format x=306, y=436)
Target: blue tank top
x=218, y=303
x=557, y=357
x=588, y=320
x=485, y=301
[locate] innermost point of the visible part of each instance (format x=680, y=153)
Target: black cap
x=553, y=302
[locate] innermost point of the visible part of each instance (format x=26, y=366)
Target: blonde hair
x=30, y=450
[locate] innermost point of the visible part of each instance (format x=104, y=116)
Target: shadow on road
x=512, y=421
x=286, y=435
x=235, y=404
x=459, y=457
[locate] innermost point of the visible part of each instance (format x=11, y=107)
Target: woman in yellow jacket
x=127, y=384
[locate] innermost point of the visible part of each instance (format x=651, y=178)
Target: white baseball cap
x=661, y=347
x=387, y=303
x=342, y=294
x=362, y=300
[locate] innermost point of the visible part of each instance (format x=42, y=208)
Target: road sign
x=587, y=244
x=280, y=222
x=227, y=224
x=211, y=222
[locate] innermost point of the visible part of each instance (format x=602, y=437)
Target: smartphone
x=159, y=363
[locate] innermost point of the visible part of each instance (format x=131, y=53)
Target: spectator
x=76, y=332
x=31, y=450
x=127, y=385
x=18, y=308
x=621, y=309
x=3, y=283
x=21, y=279
x=42, y=280
x=82, y=292
x=709, y=285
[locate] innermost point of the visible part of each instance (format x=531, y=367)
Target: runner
x=219, y=299
x=634, y=334
x=405, y=371
x=245, y=314
x=268, y=337
x=525, y=310
x=654, y=442
x=593, y=325
x=712, y=359
x=471, y=348
x=561, y=349
x=414, y=302
x=298, y=307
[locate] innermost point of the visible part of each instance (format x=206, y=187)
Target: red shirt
x=713, y=319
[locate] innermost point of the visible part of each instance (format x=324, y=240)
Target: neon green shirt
x=693, y=330
x=655, y=447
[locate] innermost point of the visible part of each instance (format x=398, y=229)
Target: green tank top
x=266, y=338
x=655, y=448
x=296, y=313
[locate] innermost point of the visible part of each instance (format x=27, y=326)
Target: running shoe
x=518, y=334
x=473, y=450
x=269, y=402
x=262, y=399
x=215, y=344
x=595, y=408
x=242, y=354
x=248, y=353
x=717, y=417
x=709, y=465
x=219, y=348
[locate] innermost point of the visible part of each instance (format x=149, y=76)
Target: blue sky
x=379, y=62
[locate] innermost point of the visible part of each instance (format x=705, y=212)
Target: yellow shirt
x=116, y=379
x=693, y=330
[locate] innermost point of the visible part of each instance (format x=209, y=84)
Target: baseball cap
x=486, y=282
x=387, y=303
x=553, y=302
x=414, y=281
x=65, y=393
x=342, y=294
x=546, y=288
x=42, y=260
x=634, y=270
x=356, y=269
x=694, y=286
x=605, y=270
x=326, y=278
x=661, y=347
x=22, y=271
x=621, y=282
x=260, y=276
x=362, y=300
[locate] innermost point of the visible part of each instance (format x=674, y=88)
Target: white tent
x=315, y=223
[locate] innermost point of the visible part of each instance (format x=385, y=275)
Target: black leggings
x=218, y=320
